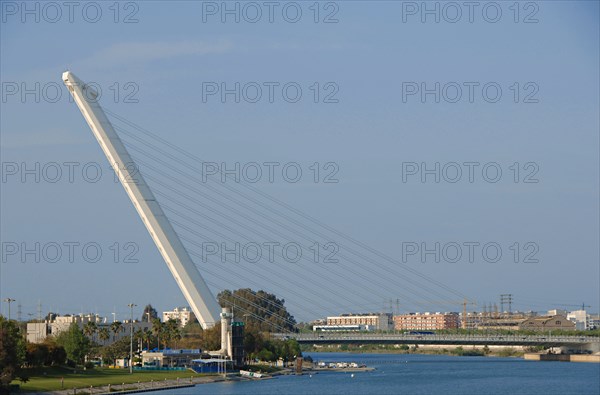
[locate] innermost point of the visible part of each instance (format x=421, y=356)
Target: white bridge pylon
x=191, y=283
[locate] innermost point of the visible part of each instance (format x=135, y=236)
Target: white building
x=38, y=331
x=581, y=319
x=170, y=358
x=558, y=312
x=183, y=314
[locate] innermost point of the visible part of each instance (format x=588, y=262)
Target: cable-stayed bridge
x=204, y=211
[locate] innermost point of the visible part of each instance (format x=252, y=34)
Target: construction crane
x=463, y=322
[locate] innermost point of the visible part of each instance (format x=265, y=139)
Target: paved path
x=137, y=387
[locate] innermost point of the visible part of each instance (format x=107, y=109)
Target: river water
x=424, y=374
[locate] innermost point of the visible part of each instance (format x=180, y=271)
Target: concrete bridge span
x=568, y=342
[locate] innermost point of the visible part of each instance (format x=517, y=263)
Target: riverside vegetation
x=70, y=360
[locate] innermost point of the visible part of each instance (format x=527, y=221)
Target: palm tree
x=147, y=336
x=115, y=327
x=157, y=329
x=103, y=334
x=89, y=329
x=172, y=329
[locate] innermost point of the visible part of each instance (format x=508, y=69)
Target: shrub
x=508, y=352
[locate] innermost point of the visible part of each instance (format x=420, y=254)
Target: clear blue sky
x=171, y=53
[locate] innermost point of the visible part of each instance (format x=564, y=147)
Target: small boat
x=254, y=375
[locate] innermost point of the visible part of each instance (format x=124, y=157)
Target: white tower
x=226, y=318
x=194, y=289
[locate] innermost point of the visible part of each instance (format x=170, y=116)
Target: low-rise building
x=170, y=358
x=557, y=312
x=495, y=321
x=509, y=323
x=426, y=321
x=594, y=322
x=472, y=320
x=547, y=323
x=505, y=321
x=374, y=321
x=38, y=331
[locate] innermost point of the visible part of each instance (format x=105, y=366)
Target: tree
x=265, y=310
x=90, y=329
x=147, y=337
x=172, y=330
x=56, y=353
x=37, y=354
x=289, y=350
x=191, y=335
x=211, y=338
x=250, y=343
x=12, y=353
x=266, y=355
x=75, y=343
x=157, y=329
x=118, y=349
x=115, y=327
x=138, y=337
x=256, y=346
x=152, y=311
x=47, y=353
x=103, y=335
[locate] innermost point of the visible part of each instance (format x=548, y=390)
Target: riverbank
x=562, y=357
x=491, y=351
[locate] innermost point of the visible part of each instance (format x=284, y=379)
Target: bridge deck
x=368, y=338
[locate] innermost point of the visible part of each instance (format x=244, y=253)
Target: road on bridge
x=391, y=338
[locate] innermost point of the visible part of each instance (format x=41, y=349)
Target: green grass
x=48, y=379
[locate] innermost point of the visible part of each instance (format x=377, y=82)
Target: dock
x=562, y=357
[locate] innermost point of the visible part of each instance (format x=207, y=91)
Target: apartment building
x=426, y=321
x=183, y=314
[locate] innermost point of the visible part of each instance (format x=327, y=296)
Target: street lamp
x=9, y=300
x=131, y=306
